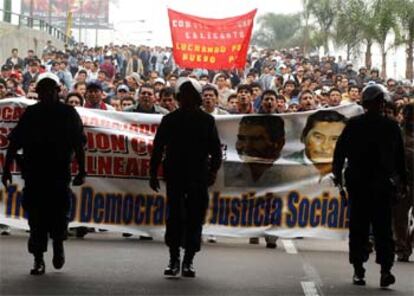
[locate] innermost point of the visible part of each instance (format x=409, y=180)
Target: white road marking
x=311, y=273
x=289, y=246
x=309, y=288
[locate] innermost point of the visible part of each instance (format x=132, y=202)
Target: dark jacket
x=374, y=148
x=20, y=62
x=191, y=145
x=49, y=135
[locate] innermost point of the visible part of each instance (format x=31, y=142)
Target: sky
x=127, y=14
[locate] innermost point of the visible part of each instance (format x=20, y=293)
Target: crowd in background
x=142, y=79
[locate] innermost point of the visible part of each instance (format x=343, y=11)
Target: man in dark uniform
x=193, y=156
x=49, y=132
x=373, y=147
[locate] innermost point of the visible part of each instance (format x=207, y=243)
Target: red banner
x=213, y=44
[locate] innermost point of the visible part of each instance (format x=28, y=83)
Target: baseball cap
x=135, y=76
x=48, y=75
x=123, y=87
x=5, y=67
x=159, y=80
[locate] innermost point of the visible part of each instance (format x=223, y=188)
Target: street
x=108, y=264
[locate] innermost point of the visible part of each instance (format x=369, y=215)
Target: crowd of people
x=142, y=79
x=132, y=78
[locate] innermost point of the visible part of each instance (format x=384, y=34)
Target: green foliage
x=277, y=30
x=325, y=12
x=385, y=17
x=405, y=11
x=350, y=24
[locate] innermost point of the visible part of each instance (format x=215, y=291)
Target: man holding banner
x=49, y=132
x=192, y=147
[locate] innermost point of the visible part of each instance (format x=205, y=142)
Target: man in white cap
x=159, y=83
x=189, y=140
x=49, y=133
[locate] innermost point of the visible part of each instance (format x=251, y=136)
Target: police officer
x=189, y=138
x=373, y=147
x=48, y=132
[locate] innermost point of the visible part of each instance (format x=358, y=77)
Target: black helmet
x=373, y=92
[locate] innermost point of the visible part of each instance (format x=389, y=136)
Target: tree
x=277, y=30
x=350, y=25
x=306, y=30
x=368, y=29
x=325, y=12
x=406, y=15
x=385, y=17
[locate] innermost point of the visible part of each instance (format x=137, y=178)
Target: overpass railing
x=22, y=20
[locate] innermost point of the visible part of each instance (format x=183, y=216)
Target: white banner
x=275, y=178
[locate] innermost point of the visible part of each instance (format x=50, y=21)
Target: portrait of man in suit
x=319, y=136
x=260, y=140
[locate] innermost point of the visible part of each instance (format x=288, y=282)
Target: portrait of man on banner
x=260, y=140
x=320, y=134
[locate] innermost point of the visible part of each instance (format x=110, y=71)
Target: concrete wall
x=23, y=38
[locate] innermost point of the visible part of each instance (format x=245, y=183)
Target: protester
x=74, y=99
x=244, y=96
x=209, y=103
x=167, y=99
x=127, y=102
x=94, y=97
x=122, y=91
x=15, y=59
x=31, y=74
x=307, y=101
x=300, y=83
x=268, y=102
x=134, y=65
x=146, y=102
x=223, y=88
x=403, y=240
x=80, y=88
x=232, y=104
x=3, y=88
x=335, y=97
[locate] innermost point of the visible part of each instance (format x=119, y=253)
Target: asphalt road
x=108, y=264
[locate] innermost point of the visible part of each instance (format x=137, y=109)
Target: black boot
x=173, y=268
x=387, y=278
x=187, y=269
x=38, y=266
x=58, y=254
x=359, y=275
